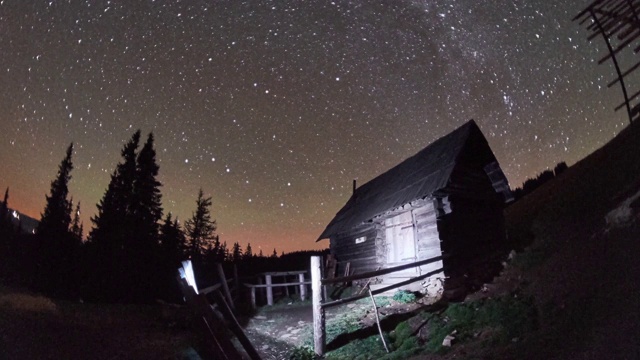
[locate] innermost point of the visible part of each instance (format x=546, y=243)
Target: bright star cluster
x=274, y=107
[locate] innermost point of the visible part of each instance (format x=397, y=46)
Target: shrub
x=404, y=296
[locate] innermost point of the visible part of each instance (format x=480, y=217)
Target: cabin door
x=400, y=240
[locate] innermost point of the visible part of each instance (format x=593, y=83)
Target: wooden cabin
x=445, y=200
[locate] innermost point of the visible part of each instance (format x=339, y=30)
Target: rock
x=265, y=347
x=512, y=255
x=448, y=340
x=351, y=306
x=260, y=317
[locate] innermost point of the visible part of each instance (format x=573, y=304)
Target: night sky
x=274, y=107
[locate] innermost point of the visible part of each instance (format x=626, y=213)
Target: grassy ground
x=36, y=327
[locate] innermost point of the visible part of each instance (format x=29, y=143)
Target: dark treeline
x=531, y=184
x=132, y=251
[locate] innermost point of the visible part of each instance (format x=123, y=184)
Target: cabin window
x=399, y=237
x=361, y=239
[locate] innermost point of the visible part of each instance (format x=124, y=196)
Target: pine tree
x=274, y=254
x=224, y=252
x=57, y=258
x=200, y=228
x=236, y=253
x=5, y=217
x=172, y=246
x=147, y=205
x=172, y=241
x=260, y=253
x=54, y=223
x=76, y=225
x=113, y=220
x=248, y=253
x=109, y=254
x=6, y=230
x=146, y=212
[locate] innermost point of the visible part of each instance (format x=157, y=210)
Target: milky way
x=273, y=107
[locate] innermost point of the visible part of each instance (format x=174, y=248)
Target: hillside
x=581, y=274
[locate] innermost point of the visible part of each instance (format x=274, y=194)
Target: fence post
x=225, y=286
x=187, y=265
x=236, y=281
x=318, y=311
x=303, y=287
x=269, y=290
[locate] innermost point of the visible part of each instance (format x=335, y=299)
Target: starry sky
x=274, y=107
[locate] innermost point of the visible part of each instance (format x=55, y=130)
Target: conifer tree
x=57, y=257
x=76, y=225
x=172, y=247
x=172, y=242
x=248, y=253
x=6, y=229
x=200, y=229
x=147, y=205
x=55, y=220
x=113, y=220
x=109, y=253
x=5, y=219
x=236, y=253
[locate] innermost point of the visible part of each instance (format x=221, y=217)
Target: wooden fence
x=319, y=335
x=301, y=284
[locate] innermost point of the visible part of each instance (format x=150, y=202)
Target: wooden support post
x=286, y=288
x=236, y=281
x=253, y=298
x=319, y=336
x=187, y=265
x=225, y=286
x=219, y=343
x=269, y=290
x=261, y=292
x=235, y=326
x=303, y=287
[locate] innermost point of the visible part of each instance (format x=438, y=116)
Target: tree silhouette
x=200, y=229
x=57, y=259
x=6, y=232
x=109, y=255
x=248, y=252
x=76, y=225
x=172, y=247
x=54, y=223
x=236, y=252
x=146, y=205
x=113, y=221
x=146, y=212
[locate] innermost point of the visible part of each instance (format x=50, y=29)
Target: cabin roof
x=417, y=177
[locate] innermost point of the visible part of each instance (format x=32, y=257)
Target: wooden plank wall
x=363, y=256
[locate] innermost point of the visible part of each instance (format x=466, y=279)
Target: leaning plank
x=225, y=285
x=219, y=344
x=375, y=310
x=235, y=326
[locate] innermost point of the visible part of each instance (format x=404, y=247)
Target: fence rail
x=319, y=334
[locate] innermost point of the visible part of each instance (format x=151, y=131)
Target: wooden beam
x=319, y=336
x=235, y=326
x=269, y=290
x=225, y=285
x=371, y=274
